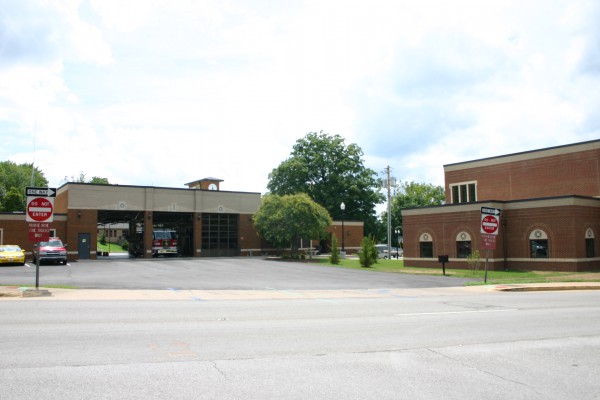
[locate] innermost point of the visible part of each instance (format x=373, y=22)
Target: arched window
x=463, y=245
x=538, y=243
x=426, y=246
x=590, y=246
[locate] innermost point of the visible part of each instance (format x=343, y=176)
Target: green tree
x=98, y=180
x=14, y=178
x=411, y=195
x=284, y=220
x=330, y=172
x=82, y=179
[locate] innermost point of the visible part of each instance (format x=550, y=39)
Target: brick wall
x=576, y=173
x=15, y=230
x=565, y=226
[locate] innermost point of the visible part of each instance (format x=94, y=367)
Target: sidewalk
x=21, y=293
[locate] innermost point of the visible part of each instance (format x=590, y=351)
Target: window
x=426, y=246
x=463, y=245
x=465, y=192
x=538, y=243
x=590, y=246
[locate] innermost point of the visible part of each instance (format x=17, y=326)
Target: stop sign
x=40, y=209
x=489, y=224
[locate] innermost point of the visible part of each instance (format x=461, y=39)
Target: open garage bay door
x=128, y=227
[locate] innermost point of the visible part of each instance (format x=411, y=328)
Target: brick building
x=550, y=202
x=208, y=222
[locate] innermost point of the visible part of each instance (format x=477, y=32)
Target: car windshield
x=10, y=248
x=54, y=243
x=164, y=235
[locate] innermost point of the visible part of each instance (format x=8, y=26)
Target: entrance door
x=83, y=246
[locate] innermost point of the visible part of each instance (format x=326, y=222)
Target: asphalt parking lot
x=214, y=274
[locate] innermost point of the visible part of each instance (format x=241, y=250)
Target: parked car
x=12, y=254
x=51, y=251
x=382, y=251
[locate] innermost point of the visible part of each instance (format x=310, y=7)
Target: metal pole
x=487, y=256
x=37, y=270
x=343, y=235
x=389, y=215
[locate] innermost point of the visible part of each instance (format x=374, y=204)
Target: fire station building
x=206, y=221
x=550, y=212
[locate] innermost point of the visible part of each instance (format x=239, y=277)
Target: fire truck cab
x=164, y=243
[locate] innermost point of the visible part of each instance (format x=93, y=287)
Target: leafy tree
x=410, y=195
x=334, y=257
x=96, y=179
x=284, y=220
x=82, y=179
x=14, y=178
x=330, y=172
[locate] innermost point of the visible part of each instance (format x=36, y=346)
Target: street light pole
x=343, y=208
x=397, y=231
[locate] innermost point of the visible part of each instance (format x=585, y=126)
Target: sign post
x=39, y=214
x=490, y=222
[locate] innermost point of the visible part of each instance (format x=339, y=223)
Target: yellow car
x=12, y=254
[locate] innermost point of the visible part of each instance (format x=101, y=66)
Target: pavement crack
x=219, y=370
x=483, y=371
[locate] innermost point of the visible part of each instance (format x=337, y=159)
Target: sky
x=165, y=92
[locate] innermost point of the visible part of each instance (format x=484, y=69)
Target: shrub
x=334, y=258
x=368, y=253
x=474, y=260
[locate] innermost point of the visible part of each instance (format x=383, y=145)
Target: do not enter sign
x=489, y=224
x=40, y=209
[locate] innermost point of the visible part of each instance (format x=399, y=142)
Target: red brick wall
x=353, y=238
x=565, y=227
x=249, y=238
x=566, y=174
x=15, y=230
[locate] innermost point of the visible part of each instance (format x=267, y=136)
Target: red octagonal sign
x=489, y=224
x=40, y=209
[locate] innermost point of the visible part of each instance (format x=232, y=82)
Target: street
x=451, y=345
x=290, y=330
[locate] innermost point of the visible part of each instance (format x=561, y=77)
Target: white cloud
x=165, y=92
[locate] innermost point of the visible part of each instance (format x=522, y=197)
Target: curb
x=541, y=287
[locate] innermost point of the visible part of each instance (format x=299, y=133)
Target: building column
x=148, y=230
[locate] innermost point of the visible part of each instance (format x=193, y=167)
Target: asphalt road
x=214, y=274
x=484, y=345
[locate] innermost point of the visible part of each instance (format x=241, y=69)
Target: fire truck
x=164, y=243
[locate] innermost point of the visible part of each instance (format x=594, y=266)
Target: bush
x=474, y=260
x=334, y=258
x=368, y=253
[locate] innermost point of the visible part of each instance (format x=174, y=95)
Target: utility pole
x=389, y=213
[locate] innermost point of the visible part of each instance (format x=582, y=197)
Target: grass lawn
x=494, y=277
x=114, y=248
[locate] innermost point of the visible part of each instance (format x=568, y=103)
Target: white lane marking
x=455, y=312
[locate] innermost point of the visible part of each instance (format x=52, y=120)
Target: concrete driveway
x=215, y=274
